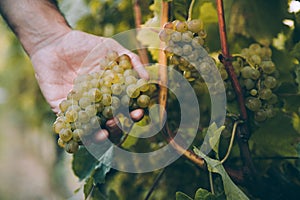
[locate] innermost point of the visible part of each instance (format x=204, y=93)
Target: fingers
x=137, y=115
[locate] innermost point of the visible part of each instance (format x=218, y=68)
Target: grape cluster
x=184, y=46
x=98, y=97
x=257, y=75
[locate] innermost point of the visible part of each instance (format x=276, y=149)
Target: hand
x=59, y=62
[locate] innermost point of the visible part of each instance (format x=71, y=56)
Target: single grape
x=115, y=102
x=143, y=101
x=65, y=134
x=95, y=94
x=108, y=112
x=268, y=67
x=265, y=93
x=130, y=80
x=176, y=36
x=125, y=64
x=71, y=146
x=260, y=116
x=61, y=143
x=84, y=102
x=91, y=110
x=71, y=115
x=116, y=89
x=181, y=26
x=253, y=92
x=132, y=91
x=187, y=49
x=59, y=125
x=83, y=117
x=143, y=85
x=77, y=134
x=249, y=83
x=253, y=103
x=270, y=82
x=106, y=99
x=195, y=25
x=187, y=36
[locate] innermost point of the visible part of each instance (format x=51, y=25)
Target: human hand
x=57, y=64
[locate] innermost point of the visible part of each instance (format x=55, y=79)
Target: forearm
x=35, y=22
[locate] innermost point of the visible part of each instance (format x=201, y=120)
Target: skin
x=57, y=52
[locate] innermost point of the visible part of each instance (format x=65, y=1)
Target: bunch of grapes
x=98, y=97
x=257, y=75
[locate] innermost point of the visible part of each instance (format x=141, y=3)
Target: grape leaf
x=296, y=51
x=88, y=186
x=297, y=72
x=203, y=194
x=270, y=141
x=148, y=35
x=83, y=163
x=103, y=167
x=296, y=122
x=213, y=134
x=231, y=190
x=182, y=196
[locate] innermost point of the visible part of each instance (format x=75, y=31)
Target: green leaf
x=231, y=190
x=88, y=186
x=296, y=51
x=182, y=196
x=149, y=37
x=297, y=72
x=275, y=137
x=203, y=194
x=83, y=163
x=296, y=122
x=103, y=167
x=214, y=134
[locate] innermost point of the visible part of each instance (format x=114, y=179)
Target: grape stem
x=155, y=183
x=142, y=52
x=190, y=14
x=243, y=133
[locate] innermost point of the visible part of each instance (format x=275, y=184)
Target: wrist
x=36, y=23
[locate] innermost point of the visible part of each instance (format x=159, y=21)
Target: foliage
x=274, y=144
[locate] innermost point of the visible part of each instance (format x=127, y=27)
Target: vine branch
x=162, y=60
x=138, y=21
x=243, y=133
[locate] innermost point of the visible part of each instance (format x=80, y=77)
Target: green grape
x=176, y=36
x=116, y=89
x=84, y=102
x=249, y=84
x=105, y=90
x=177, y=50
x=187, y=36
x=270, y=82
x=270, y=111
x=253, y=103
x=77, y=134
x=268, y=67
x=181, y=26
x=74, y=95
x=95, y=94
x=115, y=102
x=130, y=72
x=106, y=99
x=143, y=101
x=224, y=74
x=197, y=42
x=230, y=95
x=273, y=99
x=83, y=117
x=255, y=59
x=265, y=93
x=255, y=74
x=63, y=106
x=59, y=125
x=71, y=115
x=118, y=69
x=202, y=34
x=187, y=49
x=195, y=25
x=253, y=92
x=91, y=110
x=260, y=116
x=61, y=143
x=65, y=134
x=130, y=80
x=164, y=35
x=95, y=122
x=125, y=64
x=143, y=85
x=132, y=91
x=108, y=112
x=71, y=146
x=99, y=106
x=193, y=57
x=246, y=72
x=126, y=101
